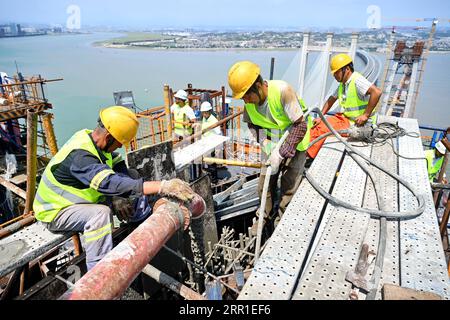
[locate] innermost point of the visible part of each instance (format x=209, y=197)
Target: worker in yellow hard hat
x=86, y=181
x=357, y=98
x=271, y=108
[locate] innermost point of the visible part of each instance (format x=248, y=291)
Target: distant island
x=372, y=40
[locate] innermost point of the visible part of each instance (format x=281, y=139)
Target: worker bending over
x=271, y=108
x=72, y=190
x=357, y=97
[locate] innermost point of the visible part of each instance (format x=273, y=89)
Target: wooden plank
x=196, y=150
x=422, y=260
x=393, y=292
x=339, y=245
x=21, y=178
x=277, y=270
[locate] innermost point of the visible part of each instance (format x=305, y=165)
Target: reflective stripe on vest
x=52, y=196
x=433, y=170
x=179, y=118
x=206, y=123
x=276, y=108
x=353, y=107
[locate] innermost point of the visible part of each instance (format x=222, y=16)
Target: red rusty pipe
x=114, y=273
x=13, y=227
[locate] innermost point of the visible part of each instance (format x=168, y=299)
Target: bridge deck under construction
x=317, y=243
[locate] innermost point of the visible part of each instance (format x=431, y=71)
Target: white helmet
x=205, y=106
x=181, y=94
x=440, y=147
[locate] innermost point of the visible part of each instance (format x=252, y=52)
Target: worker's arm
x=88, y=170
x=375, y=94
x=326, y=107
x=92, y=173
x=190, y=116
x=328, y=104
x=298, y=130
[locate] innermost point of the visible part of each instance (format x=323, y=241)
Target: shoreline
x=128, y=47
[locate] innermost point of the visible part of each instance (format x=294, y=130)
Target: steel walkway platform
x=26, y=245
x=317, y=243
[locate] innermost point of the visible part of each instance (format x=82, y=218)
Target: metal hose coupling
x=360, y=133
x=183, y=212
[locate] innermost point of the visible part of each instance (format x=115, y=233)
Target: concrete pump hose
x=374, y=213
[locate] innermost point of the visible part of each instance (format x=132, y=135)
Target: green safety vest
x=52, y=196
x=282, y=121
x=206, y=123
x=433, y=170
x=179, y=117
x=352, y=105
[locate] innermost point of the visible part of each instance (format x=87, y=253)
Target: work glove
x=176, y=188
x=123, y=208
x=275, y=160
x=267, y=146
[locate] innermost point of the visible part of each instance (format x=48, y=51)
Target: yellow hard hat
x=241, y=76
x=121, y=122
x=339, y=61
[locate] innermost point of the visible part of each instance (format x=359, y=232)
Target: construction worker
x=357, y=97
x=208, y=119
x=72, y=192
x=183, y=115
x=435, y=158
x=271, y=108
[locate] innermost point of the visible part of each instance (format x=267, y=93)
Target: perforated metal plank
x=339, y=245
x=25, y=245
x=388, y=189
x=194, y=151
x=275, y=274
x=422, y=259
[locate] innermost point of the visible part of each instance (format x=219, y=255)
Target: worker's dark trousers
x=94, y=221
x=291, y=171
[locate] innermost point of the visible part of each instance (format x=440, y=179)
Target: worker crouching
x=86, y=178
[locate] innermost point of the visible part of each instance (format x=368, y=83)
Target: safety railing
x=157, y=125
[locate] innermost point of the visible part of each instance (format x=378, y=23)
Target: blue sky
x=223, y=13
